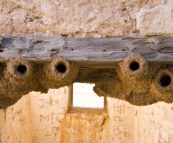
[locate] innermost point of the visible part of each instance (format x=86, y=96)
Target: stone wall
x=44, y=118
x=86, y=18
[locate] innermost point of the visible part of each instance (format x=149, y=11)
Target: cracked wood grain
x=87, y=51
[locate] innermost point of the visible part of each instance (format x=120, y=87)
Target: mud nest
x=19, y=77
x=135, y=80
x=162, y=86
x=140, y=82
x=133, y=67
x=58, y=73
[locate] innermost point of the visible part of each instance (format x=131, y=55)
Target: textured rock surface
x=156, y=21
x=36, y=118
x=43, y=118
x=46, y=120
x=95, y=18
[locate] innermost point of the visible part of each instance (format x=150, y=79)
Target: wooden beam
x=100, y=52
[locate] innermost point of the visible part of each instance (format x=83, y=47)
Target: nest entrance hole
x=22, y=69
x=134, y=66
x=61, y=68
x=165, y=80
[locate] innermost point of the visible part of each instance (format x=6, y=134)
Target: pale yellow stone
x=115, y=18
x=156, y=21
x=43, y=118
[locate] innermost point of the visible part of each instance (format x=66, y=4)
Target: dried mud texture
x=133, y=72
x=58, y=73
x=104, y=18
x=162, y=86
x=133, y=67
x=147, y=84
x=14, y=84
x=19, y=77
x=134, y=79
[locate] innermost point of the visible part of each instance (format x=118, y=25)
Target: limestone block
x=83, y=127
x=2, y=119
x=47, y=112
x=121, y=125
x=84, y=18
x=155, y=21
x=17, y=125
x=154, y=123
x=43, y=118
x=36, y=118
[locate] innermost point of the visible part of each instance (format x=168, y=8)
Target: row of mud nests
x=19, y=77
x=164, y=77
x=140, y=82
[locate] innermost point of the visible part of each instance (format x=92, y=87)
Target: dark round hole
x=22, y=69
x=165, y=80
x=61, y=68
x=134, y=66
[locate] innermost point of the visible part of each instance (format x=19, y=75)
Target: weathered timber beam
x=87, y=51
